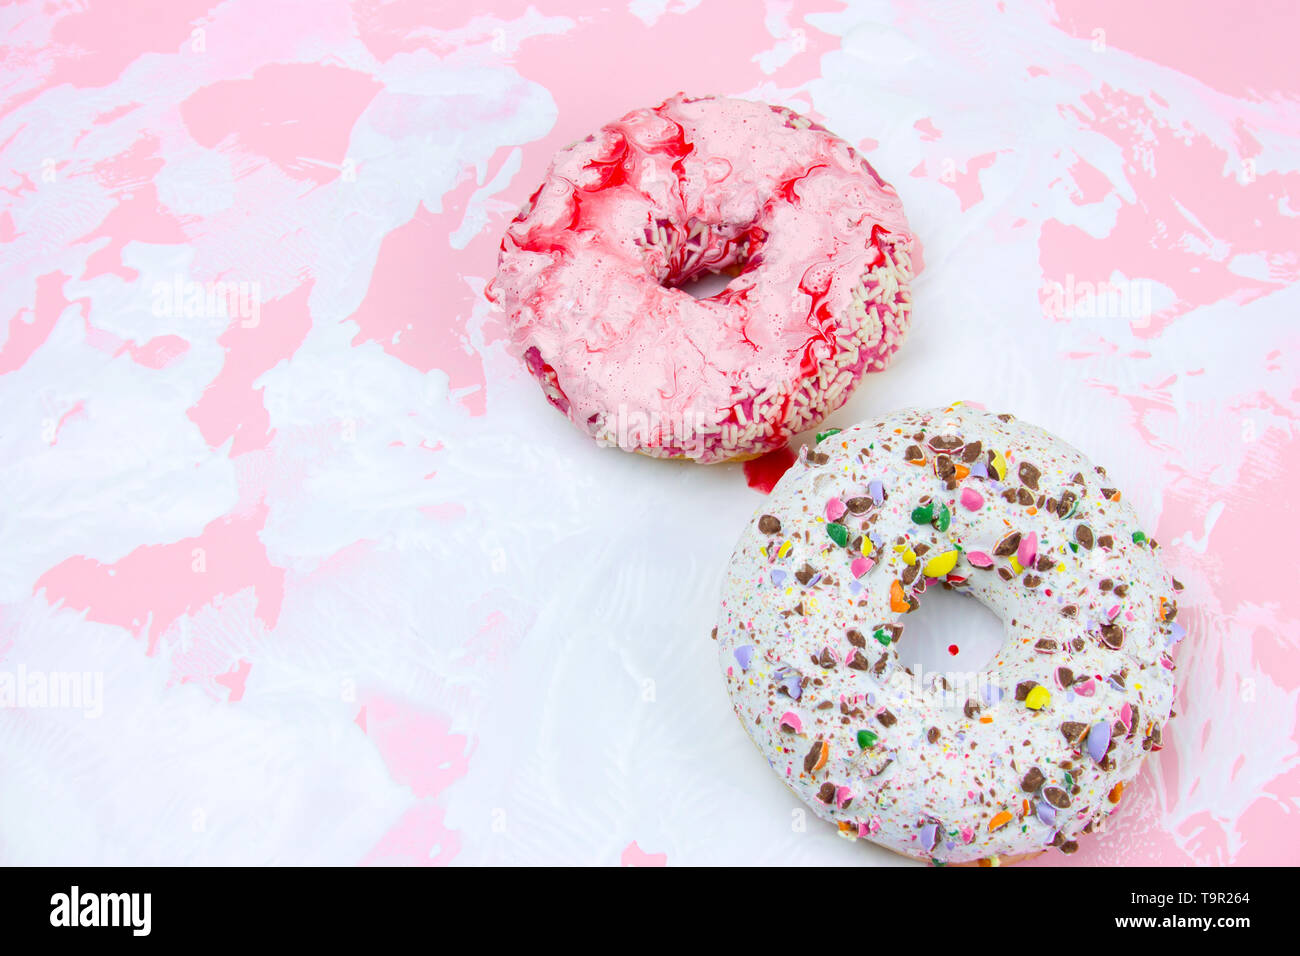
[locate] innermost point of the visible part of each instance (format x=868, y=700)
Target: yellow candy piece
x=1038, y=698
x=940, y=564
x=785, y=549
x=909, y=556
x=1015, y=565
x=1000, y=465
x=868, y=546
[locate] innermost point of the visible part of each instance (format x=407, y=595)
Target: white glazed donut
x=952, y=768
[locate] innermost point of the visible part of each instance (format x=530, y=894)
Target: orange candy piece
x=1116, y=792
x=897, y=599
x=1001, y=820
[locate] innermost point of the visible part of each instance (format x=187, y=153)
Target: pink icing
x=589, y=275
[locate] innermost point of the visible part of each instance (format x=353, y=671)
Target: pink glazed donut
x=591, y=270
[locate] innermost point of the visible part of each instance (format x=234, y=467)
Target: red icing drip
x=762, y=473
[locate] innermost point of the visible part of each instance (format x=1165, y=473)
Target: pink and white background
x=357, y=594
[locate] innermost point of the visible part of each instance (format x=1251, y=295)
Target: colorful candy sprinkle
x=822, y=436
x=940, y=564
x=1028, y=549
x=1038, y=698
x=1099, y=740
x=999, y=465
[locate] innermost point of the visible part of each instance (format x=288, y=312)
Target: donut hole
x=706, y=285
x=948, y=620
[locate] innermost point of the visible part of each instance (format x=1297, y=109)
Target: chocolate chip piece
x=1106, y=541
x=855, y=637
x=971, y=451
x=1065, y=676
x=827, y=659
x=1045, y=645
x=1109, y=493
x=944, y=468
x=1070, y=846
x=1045, y=563
x=859, y=662
x=1005, y=574
x=1032, y=781
x=914, y=453
x=1069, y=611
x=1083, y=535
x=881, y=663
x=1024, y=687
x=1068, y=498
x=886, y=718
x=1178, y=585
x=858, y=506
x=1056, y=797
x=818, y=458
x=1029, y=475
x=1074, y=732
x=1121, y=590
x=972, y=707
x=1007, y=546
x=1032, y=580
x=826, y=793
x=1006, y=417
x=932, y=734
x=768, y=524
x=1077, y=644
x=1024, y=497
x=945, y=443
x=805, y=574
x=1105, y=584
x=1112, y=636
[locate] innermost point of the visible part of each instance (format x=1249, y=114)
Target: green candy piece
x=1074, y=547
x=923, y=514
x=822, y=436
x=882, y=636
x=943, y=519
x=839, y=534
x=1138, y=537
x=866, y=739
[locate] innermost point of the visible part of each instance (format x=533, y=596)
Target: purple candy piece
x=979, y=469
x=778, y=577
x=855, y=587
x=929, y=836
x=1099, y=740
x=1177, y=633
x=744, y=655
x=1047, y=813
x=876, y=490
x=787, y=678
x=992, y=694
